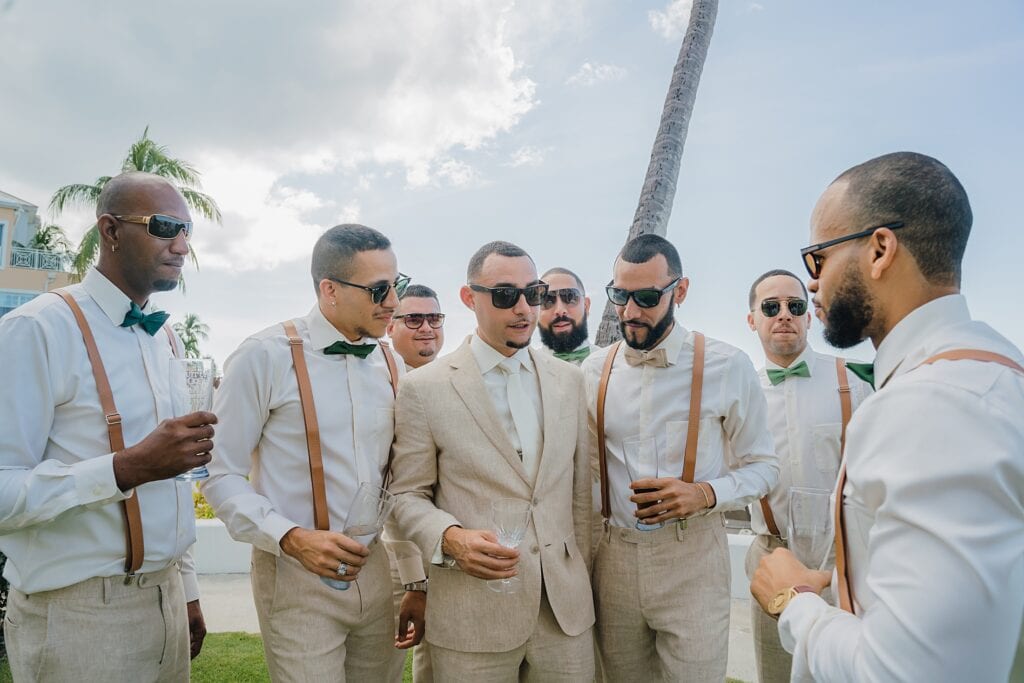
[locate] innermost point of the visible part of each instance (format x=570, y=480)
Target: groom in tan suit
x=495, y=420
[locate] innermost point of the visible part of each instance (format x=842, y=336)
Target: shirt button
x=536, y=501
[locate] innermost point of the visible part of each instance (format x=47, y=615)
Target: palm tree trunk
x=659, y=190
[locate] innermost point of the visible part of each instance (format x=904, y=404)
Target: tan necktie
x=656, y=358
x=524, y=415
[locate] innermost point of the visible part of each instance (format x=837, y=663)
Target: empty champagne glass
x=511, y=517
x=809, y=527
x=191, y=385
x=366, y=515
x=641, y=456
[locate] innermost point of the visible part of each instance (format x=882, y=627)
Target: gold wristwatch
x=781, y=599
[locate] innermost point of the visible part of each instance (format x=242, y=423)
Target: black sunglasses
x=570, y=296
x=161, y=226
x=812, y=259
x=507, y=297
x=415, y=320
x=644, y=298
x=380, y=292
x=772, y=307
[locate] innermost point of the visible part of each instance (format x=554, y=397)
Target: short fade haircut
x=420, y=291
x=565, y=271
x=773, y=273
x=645, y=247
x=476, y=263
x=925, y=195
x=333, y=252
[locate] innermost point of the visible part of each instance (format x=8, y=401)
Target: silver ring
x=342, y=569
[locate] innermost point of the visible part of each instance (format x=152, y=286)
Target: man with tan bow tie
x=495, y=420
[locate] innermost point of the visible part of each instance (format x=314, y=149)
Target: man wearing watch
x=496, y=420
x=930, y=504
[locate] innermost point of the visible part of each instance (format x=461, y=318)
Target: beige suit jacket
x=452, y=458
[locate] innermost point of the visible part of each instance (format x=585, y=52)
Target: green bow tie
x=779, y=376
x=573, y=356
x=340, y=348
x=866, y=371
x=150, y=323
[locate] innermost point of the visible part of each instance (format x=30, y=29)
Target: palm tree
x=659, y=189
x=191, y=331
x=51, y=239
x=144, y=155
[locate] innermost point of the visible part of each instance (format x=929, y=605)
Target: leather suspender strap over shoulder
x=692, y=427
x=842, y=565
x=846, y=406
x=134, y=542
x=321, y=516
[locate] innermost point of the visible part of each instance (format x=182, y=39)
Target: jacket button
x=534, y=550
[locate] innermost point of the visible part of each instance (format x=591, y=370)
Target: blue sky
x=449, y=123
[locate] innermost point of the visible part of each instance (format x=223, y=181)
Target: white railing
x=40, y=260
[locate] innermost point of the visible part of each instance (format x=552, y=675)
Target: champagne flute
x=366, y=515
x=641, y=457
x=511, y=517
x=809, y=528
x=191, y=385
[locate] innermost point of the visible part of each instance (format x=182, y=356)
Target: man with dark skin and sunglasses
x=805, y=392
x=95, y=527
x=417, y=328
x=497, y=420
x=679, y=424
x=562, y=322
x=929, y=563
x=307, y=416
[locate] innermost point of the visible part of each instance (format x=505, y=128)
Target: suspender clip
x=113, y=418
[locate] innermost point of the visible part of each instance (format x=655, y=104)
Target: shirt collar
x=114, y=303
x=908, y=339
x=488, y=358
x=322, y=333
x=673, y=344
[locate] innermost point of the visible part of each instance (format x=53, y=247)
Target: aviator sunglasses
x=570, y=296
x=644, y=298
x=160, y=226
x=380, y=292
x=507, y=297
x=772, y=307
x=415, y=320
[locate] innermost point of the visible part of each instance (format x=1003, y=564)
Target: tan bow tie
x=656, y=358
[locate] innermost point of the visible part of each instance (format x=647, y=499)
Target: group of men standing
x=627, y=462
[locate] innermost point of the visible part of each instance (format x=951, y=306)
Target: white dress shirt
x=934, y=503
x=259, y=481
x=806, y=419
x=61, y=521
x=734, y=446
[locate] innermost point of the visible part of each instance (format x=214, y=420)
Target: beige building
x=25, y=273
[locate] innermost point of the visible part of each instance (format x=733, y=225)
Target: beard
x=164, y=285
x=850, y=313
x=563, y=343
x=654, y=332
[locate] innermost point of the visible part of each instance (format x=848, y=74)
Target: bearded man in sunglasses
x=307, y=417
x=497, y=420
x=95, y=527
x=563, y=316
x=806, y=391
x=680, y=426
x=417, y=328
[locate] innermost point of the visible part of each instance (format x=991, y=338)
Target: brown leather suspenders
x=847, y=410
x=134, y=543
x=321, y=518
x=692, y=427
x=842, y=565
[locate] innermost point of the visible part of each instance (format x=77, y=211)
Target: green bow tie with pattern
x=340, y=348
x=573, y=356
x=150, y=323
x=779, y=376
x=866, y=371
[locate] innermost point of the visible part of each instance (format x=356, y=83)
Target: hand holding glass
x=511, y=518
x=366, y=515
x=191, y=385
x=809, y=530
x=641, y=456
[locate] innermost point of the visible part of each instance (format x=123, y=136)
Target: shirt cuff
x=800, y=615
x=438, y=556
x=190, y=583
x=95, y=481
x=275, y=527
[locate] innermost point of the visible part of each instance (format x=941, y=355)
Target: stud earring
x=334, y=303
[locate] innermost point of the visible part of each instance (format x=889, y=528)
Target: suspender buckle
x=129, y=577
x=295, y=341
x=113, y=418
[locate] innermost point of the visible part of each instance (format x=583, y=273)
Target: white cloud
x=527, y=156
x=350, y=212
x=591, y=74
x=672, y=22
x=755, y=7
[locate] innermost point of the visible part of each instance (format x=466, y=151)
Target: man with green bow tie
x=562, y=320
x=802, y=388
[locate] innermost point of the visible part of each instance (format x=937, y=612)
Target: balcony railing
x=40, y=260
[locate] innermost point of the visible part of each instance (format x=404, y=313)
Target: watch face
x=777, y=603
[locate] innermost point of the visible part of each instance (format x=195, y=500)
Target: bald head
x=129, y=192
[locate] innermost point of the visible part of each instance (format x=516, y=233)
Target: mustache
x=638, y=322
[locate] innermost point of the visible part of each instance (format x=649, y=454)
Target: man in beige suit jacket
x=495, y=420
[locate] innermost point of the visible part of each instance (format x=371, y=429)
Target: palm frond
x=71, y=195
x=201, y=202
x=88, y=251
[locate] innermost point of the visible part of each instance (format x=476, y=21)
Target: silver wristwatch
x=420, y=586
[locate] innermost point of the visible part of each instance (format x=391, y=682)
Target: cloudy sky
x=449, y=123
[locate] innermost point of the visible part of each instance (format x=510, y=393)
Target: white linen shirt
x=734, y=447
x=61, y=521
x=934, y=503
x=259, y=481
x=806, y=420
